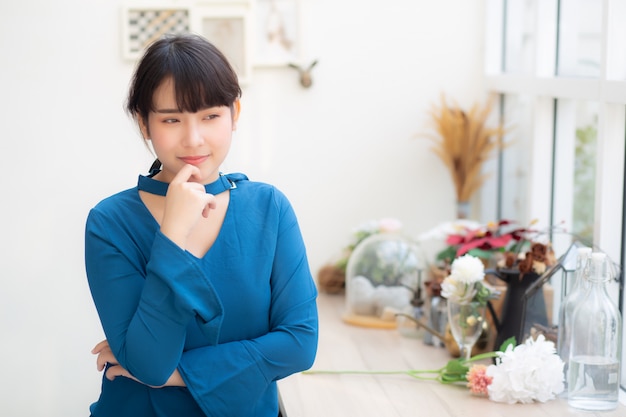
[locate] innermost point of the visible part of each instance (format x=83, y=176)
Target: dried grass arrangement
x=464, y=143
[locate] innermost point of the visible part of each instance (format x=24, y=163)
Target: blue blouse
x=233, y=322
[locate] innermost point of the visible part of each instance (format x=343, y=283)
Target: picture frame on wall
x=276, y=32
x=143, y=25
x=228, y=33
x=226, y=24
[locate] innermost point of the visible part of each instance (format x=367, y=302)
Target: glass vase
x=466, y=321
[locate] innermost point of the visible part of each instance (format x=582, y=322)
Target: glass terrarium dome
x=382, y=277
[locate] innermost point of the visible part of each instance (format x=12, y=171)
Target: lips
x=194, y=160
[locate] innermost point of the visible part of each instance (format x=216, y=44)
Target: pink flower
x=478, y=380
x=389, y=225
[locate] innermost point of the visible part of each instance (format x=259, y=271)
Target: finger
x=210, y=205
x=185, y=174
x=106, y=356
x=100, y=346
x=101, y=361
x=115, y=371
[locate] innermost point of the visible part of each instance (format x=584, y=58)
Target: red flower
x=489, y=238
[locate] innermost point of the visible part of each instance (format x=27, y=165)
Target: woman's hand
x=105, y=355
x=186, y=201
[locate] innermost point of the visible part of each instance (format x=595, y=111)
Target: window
x=575, y=161
x=519, y=37
x=580, y=38
x=559, y=67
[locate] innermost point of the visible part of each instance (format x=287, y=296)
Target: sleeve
x=220, y=377
x=145, y=310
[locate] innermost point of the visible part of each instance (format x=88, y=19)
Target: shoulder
x=118, y=201
x=255, y=188
x=117, y=207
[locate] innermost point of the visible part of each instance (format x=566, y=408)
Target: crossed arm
x=106, y=357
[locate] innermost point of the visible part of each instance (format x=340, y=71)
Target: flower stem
x=454, y=371
x=481, y=356
x=410, y=372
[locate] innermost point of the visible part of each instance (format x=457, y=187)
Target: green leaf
x=481, y=253
x=508, y=342
x=448, y=253
x=454, y=371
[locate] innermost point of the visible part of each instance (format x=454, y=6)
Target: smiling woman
x=201, y=138
x=200, y=279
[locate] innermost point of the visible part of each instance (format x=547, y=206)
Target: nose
x=192, y=135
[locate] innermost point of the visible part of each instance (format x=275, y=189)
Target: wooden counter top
x=347, y=347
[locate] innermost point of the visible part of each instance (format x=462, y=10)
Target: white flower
x=460, y=285
x=456, y=290
x=529, y=372
x=468, y=269
x=443, y=230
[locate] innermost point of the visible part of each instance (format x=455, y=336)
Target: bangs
x=201, y=74
x=199, y=86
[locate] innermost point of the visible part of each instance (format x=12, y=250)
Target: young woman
x=200, y=279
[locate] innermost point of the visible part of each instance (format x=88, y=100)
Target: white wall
x=344, y=151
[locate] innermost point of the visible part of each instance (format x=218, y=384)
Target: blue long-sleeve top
x=232, y=322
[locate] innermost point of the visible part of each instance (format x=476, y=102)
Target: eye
x=170, y=121
x=211, y=116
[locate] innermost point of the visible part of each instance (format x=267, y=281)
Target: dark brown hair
x=201, y=74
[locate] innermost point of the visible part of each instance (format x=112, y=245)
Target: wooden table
x=347, y=347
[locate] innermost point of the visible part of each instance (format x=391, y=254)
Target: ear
x=236, y=109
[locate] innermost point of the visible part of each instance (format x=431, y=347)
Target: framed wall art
x=143, y=25
x=226, y=23
x=228, y=26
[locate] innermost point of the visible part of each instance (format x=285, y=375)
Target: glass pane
x=580, y=38
x=585, y=170
x=575, y=169
x=519, y=49
x=617, y=41
x=516, y=158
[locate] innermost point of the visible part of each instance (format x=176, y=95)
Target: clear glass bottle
x=595, y=347
x=571, y=300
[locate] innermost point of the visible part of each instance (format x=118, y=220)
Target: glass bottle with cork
x=595, y=347
x=570, y=302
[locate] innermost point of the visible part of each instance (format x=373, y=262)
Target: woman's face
x=178, y=138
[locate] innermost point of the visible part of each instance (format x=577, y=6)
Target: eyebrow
x=170, y=111
x=167, y=111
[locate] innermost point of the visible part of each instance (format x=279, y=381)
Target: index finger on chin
x=185, y=174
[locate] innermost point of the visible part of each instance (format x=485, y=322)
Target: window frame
x=545, y=90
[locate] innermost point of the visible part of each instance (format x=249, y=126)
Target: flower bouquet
x=466, y=297
x=486, y=240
